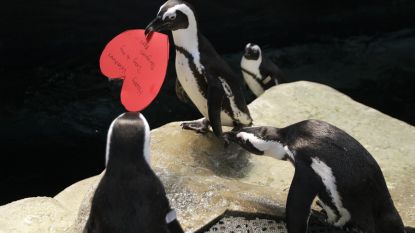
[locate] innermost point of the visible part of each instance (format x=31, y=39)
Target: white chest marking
x=191, y=87
x=189, y=83
x=329, y=181
x=188, y=40
x=253, y=67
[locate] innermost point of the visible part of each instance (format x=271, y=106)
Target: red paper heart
x=140, y=62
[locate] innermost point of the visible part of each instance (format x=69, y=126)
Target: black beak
x=249, y=52
x=155, y=26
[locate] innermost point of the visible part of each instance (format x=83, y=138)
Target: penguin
x=332, y=166
x=258, y=71
x=181, y=94
x=130, y=197
x=207, y=79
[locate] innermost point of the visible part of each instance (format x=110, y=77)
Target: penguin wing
x=215, y=96
x=181, y=94
x=304, y=188
x=269, y=68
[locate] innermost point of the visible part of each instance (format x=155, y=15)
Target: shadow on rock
x=231, y=162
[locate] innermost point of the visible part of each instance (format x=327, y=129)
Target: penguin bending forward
x=331, y=165
x=258, y=71
x=205, y=77
x=130, y=198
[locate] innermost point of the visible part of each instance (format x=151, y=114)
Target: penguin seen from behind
x=130, y=198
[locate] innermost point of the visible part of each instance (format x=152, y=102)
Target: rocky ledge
x=203, y=179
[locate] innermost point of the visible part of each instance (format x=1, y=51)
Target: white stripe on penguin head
x=146, y=150
x=270, y=148
x=187, y=38
x=146, y=144
x=109, y=135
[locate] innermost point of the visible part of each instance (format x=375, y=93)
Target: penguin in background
x=332, y=166
x=205, y=77
x=130, y=198
x=258, y=71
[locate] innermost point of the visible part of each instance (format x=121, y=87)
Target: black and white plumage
x=206, y=78
x=331, y=165
x=130, y=198
x=258, y=71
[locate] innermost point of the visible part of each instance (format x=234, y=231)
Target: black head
x=252, y=52
x=257, y=140
x=128, y=140
x=173, y=15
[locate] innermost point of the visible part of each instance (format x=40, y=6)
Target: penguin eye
x=172, y=17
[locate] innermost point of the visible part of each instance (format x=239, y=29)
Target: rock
x=203, y=179
x=38, y=214
x=75, y=196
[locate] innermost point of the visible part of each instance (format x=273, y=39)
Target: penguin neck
x=132, y=153
x=251, y=65
x=127, y=165
x=188, y=39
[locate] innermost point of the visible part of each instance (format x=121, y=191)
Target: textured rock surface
x=39, y=214
x=203, y=180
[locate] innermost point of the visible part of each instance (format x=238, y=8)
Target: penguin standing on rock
x=205, y=77
x=130, y=198
x=259, y=72
x=331, y=165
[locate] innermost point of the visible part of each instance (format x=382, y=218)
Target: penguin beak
x=250, y=53
x=156, y=25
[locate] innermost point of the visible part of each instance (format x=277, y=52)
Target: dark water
x=56, y=106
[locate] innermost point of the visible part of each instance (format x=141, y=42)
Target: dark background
x=56, y=106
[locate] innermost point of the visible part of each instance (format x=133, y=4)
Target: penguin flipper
x=271, y=69
x=279, y=76
x=215, y=97
x=303, y=190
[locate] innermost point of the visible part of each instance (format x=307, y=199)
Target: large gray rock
x=203, y=179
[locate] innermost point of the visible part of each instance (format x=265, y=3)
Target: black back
x=268, y=68
x=359, y=179
x=216, y=66
x=129, y=197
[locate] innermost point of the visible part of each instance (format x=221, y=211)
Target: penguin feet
x=199, y=126
x=229, y=137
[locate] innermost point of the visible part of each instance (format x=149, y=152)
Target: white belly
x=189, y=84
x=253, y=85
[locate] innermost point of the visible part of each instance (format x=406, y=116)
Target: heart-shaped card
x=140, y=62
